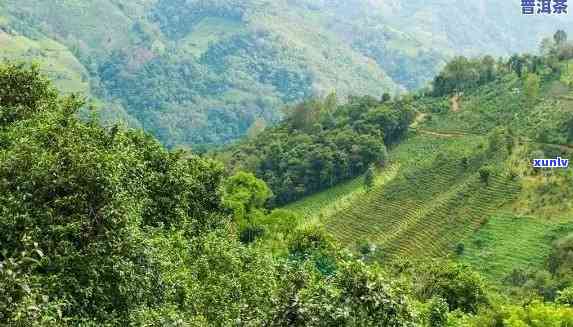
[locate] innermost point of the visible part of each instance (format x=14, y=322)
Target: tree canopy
x=321, y=143
x=103, y=227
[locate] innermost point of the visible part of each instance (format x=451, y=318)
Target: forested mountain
x=203, y=72
x=103, y=226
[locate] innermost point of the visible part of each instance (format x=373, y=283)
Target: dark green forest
x=321, y=143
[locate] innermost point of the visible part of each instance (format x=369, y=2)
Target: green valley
x=285, y=163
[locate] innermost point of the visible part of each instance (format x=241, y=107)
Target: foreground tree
x=84, y=195
x=246, y=193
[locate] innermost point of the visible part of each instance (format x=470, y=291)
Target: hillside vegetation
x=361, y=207
x=204, y=72
x=105, y=227
x=55, y=59
x=321, y=143
x=467, y=156
x=461, y=185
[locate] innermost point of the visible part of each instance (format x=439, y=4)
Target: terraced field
x=509, y=242
x=456, y=213
x=434, y=201
x=326, y=203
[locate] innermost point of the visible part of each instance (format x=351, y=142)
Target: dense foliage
x=106, y=227
x=321, y=143
x=83, y=196
x=462, y=74
x=181, y=82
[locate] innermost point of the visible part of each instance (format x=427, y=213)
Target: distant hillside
x=203, y=72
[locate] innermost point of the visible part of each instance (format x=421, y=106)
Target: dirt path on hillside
x=444, y=134
x=564, y=147
x=456, y=103
x=420, y=118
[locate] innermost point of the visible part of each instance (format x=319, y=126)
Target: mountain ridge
x=205, y=71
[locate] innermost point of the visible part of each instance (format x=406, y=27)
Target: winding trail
x=420, y=118
x=455, y=103
x=563, y=147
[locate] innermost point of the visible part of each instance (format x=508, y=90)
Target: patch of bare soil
x=456, y=103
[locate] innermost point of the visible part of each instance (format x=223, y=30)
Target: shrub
x=457, y=284
x=367, y=297
x=244, y=193
x=308, y=241
x=460, y=247
x=517, y=277
x=543, y=284
x=464, y=162
x=484, y=174
x=250, y=233
x=24, y=92
x=539, y=315
x=437, y=312
x=560, y=260
x=565, y=296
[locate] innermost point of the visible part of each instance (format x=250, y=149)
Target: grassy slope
x=502, y=103
x=54, y=59
x=211, y=30
x=509, y=241
x=319, y=207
